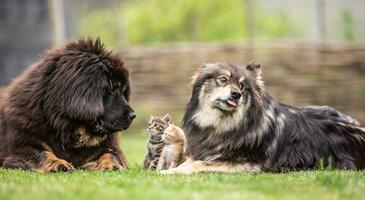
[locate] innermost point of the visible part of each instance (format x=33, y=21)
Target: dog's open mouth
x=226, y=105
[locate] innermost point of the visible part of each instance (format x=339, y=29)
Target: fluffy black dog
x=66, y=110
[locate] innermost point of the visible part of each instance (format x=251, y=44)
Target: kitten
x=173, y=152
x=155, y=144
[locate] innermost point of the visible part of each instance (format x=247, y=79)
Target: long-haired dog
x=64, y=111
x=234, y=125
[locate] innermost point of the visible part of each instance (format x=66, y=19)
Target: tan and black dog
x=234, y=125
x=65, y=111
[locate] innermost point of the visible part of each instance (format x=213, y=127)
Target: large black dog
x=234, y=125
x=64, y=112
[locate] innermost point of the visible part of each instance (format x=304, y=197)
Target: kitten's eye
x=223, y=79
x=242, y=86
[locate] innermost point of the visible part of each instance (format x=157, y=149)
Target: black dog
x=65, y=111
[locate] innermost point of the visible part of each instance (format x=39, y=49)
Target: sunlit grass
x=135, y=183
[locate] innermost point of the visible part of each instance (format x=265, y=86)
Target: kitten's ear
x=169, y=127
x=167, y=118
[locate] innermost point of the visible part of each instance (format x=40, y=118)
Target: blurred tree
x=348, y=26
x=152, y=21
x=185, y=20
x=104, y=23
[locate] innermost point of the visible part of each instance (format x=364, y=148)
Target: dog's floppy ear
x=167, y=118
x=75, y=89
x=86, y=102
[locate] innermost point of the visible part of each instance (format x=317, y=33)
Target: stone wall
x=296, y=74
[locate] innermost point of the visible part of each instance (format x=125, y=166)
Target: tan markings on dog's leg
x=226, y=167
x=48, y=162
x=82, y=137
x=80, y=131
x=105, y=162
x=203, y=166
x=188, y=167
x=187, y=162
x=247, y=167
x=184, y=167
x=119, y=153
x=85, y=139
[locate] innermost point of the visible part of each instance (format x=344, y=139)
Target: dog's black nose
x=131, y=115
x=236, y=95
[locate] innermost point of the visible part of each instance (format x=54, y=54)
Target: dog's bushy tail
x=355, y=137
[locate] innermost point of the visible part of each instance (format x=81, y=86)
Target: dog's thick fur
x=257, y=133
x=57, y=115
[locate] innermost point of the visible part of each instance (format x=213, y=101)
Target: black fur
x=79, y=85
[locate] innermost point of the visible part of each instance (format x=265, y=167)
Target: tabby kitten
x=155, y=144
x=173, y=152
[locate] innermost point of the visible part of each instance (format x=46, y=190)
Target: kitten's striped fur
x=155, y=144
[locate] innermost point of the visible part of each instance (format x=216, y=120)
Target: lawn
x=136, y=183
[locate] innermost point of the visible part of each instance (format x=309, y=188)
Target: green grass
x=136, y=183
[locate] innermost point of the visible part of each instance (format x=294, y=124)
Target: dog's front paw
x=60, y=165
x=179, y=170
x=105, y=162
x=48, y=162
x=166, y=171
x=247, y=167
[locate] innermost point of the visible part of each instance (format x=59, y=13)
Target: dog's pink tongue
x=232, y=103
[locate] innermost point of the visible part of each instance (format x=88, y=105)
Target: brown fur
x=85, y=139
x=173, y=152
x=105, y=162
x=45, y=112
x=48, y=162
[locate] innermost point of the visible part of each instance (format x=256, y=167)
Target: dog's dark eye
x=222, y=79
x=242, y=86
x=117, y=86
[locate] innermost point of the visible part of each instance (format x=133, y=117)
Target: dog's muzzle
x=229, y=104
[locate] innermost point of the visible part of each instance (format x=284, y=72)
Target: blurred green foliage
x=185, y=20
x=104, y=24
x=348, y=26
x=153, y=21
